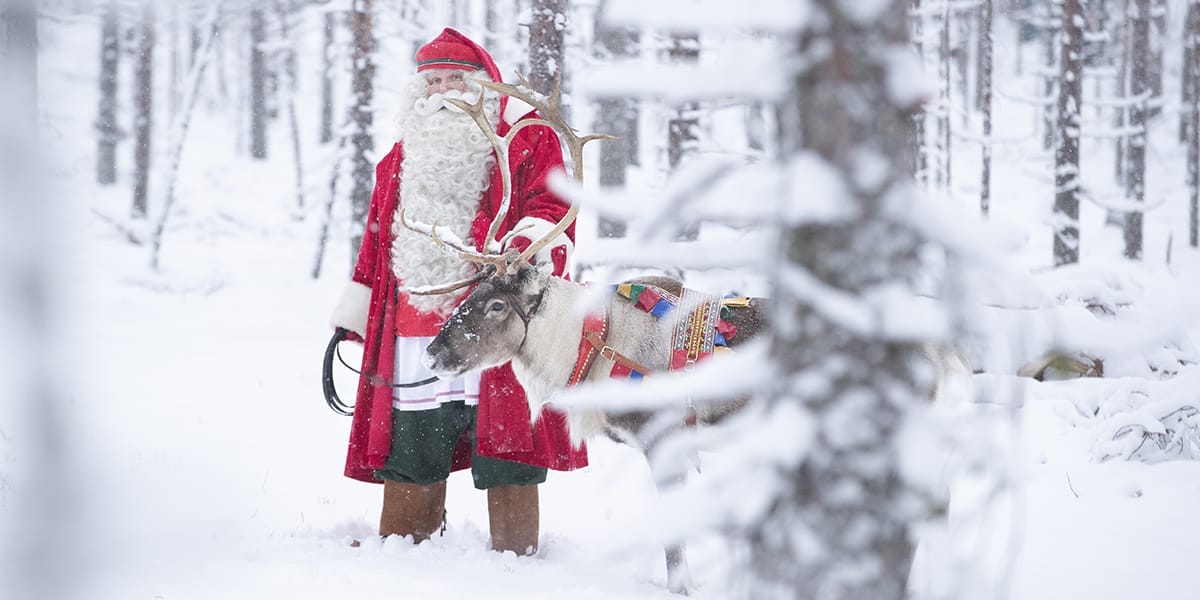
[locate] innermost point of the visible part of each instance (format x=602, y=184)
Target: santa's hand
x=351, y=310
x=546, y=255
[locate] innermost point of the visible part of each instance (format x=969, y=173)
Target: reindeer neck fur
x=544, y=361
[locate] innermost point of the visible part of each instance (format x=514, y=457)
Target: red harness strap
x=594, y=324
x=592, y=343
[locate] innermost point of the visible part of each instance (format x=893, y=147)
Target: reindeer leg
x=669, y=472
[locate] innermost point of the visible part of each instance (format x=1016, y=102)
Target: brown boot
x=411, y=509
x=513, y=517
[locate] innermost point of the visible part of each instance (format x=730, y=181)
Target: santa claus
x=443, y=170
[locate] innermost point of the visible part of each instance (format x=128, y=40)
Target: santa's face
x=435, y=86
x=440, y=80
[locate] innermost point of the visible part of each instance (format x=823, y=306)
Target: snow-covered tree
x=837, y=525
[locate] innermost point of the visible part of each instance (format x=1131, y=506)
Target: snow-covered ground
x=201, y=462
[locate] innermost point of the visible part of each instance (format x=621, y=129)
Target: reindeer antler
x=492, y=262
x=548, y=108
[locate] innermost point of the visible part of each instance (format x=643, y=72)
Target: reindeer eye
x=496, y=306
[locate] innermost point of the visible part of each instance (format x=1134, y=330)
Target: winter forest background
x=182, y=185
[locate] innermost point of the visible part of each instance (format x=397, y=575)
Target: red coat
x=503, y=424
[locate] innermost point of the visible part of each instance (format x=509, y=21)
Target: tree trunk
x=1066, y=156
x=985, y=105
x=1156, y=51
x=802, y=546
x=943, y=113
x=361, y=141
x=1121, y=92
x=494, y=22
x=326, y=134
x=1050, y=29
x=961, y=54
x=258, y=82
x=1139, y=86
x=920, y=124
x=35, y=435
x=143, y=104
x=616, y=116
x=173, y=59
x=683, y=128
x=108, y=132
x=290, y=90
x=179, y=130
x=548, y=21
x=1192, y=67
x=1188, y=88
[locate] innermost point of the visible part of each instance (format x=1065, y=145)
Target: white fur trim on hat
x=515, y=109
x=352, y=307
x=534, y=228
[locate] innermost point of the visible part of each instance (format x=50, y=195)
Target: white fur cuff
x=515, y=109
x=351, y=309
x=534, y=228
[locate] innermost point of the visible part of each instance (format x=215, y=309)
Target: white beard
x=446, y=169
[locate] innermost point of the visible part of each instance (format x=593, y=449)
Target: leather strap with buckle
x=610, y=353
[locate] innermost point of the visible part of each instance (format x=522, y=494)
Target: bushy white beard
x=446, y=169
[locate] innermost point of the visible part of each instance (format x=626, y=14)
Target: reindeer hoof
x=679, y=583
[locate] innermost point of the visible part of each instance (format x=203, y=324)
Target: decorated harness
x=698, y=333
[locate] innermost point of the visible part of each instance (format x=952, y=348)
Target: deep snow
x=201, y=462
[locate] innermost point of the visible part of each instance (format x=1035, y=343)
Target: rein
x=331, y=396
x=379, y=381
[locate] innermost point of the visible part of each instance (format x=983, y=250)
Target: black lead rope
x=331, y=396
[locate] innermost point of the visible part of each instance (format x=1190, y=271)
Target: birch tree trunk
x=179, y=129
x=361, y=119
x=108, y=132
x=1066, y=156
x=815, y=540
x=143, y=105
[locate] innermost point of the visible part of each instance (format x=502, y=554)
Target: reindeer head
x=489, y=327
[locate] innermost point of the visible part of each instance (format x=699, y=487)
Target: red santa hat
x=453, y=50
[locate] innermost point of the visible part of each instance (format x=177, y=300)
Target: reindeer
x=520, y=313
